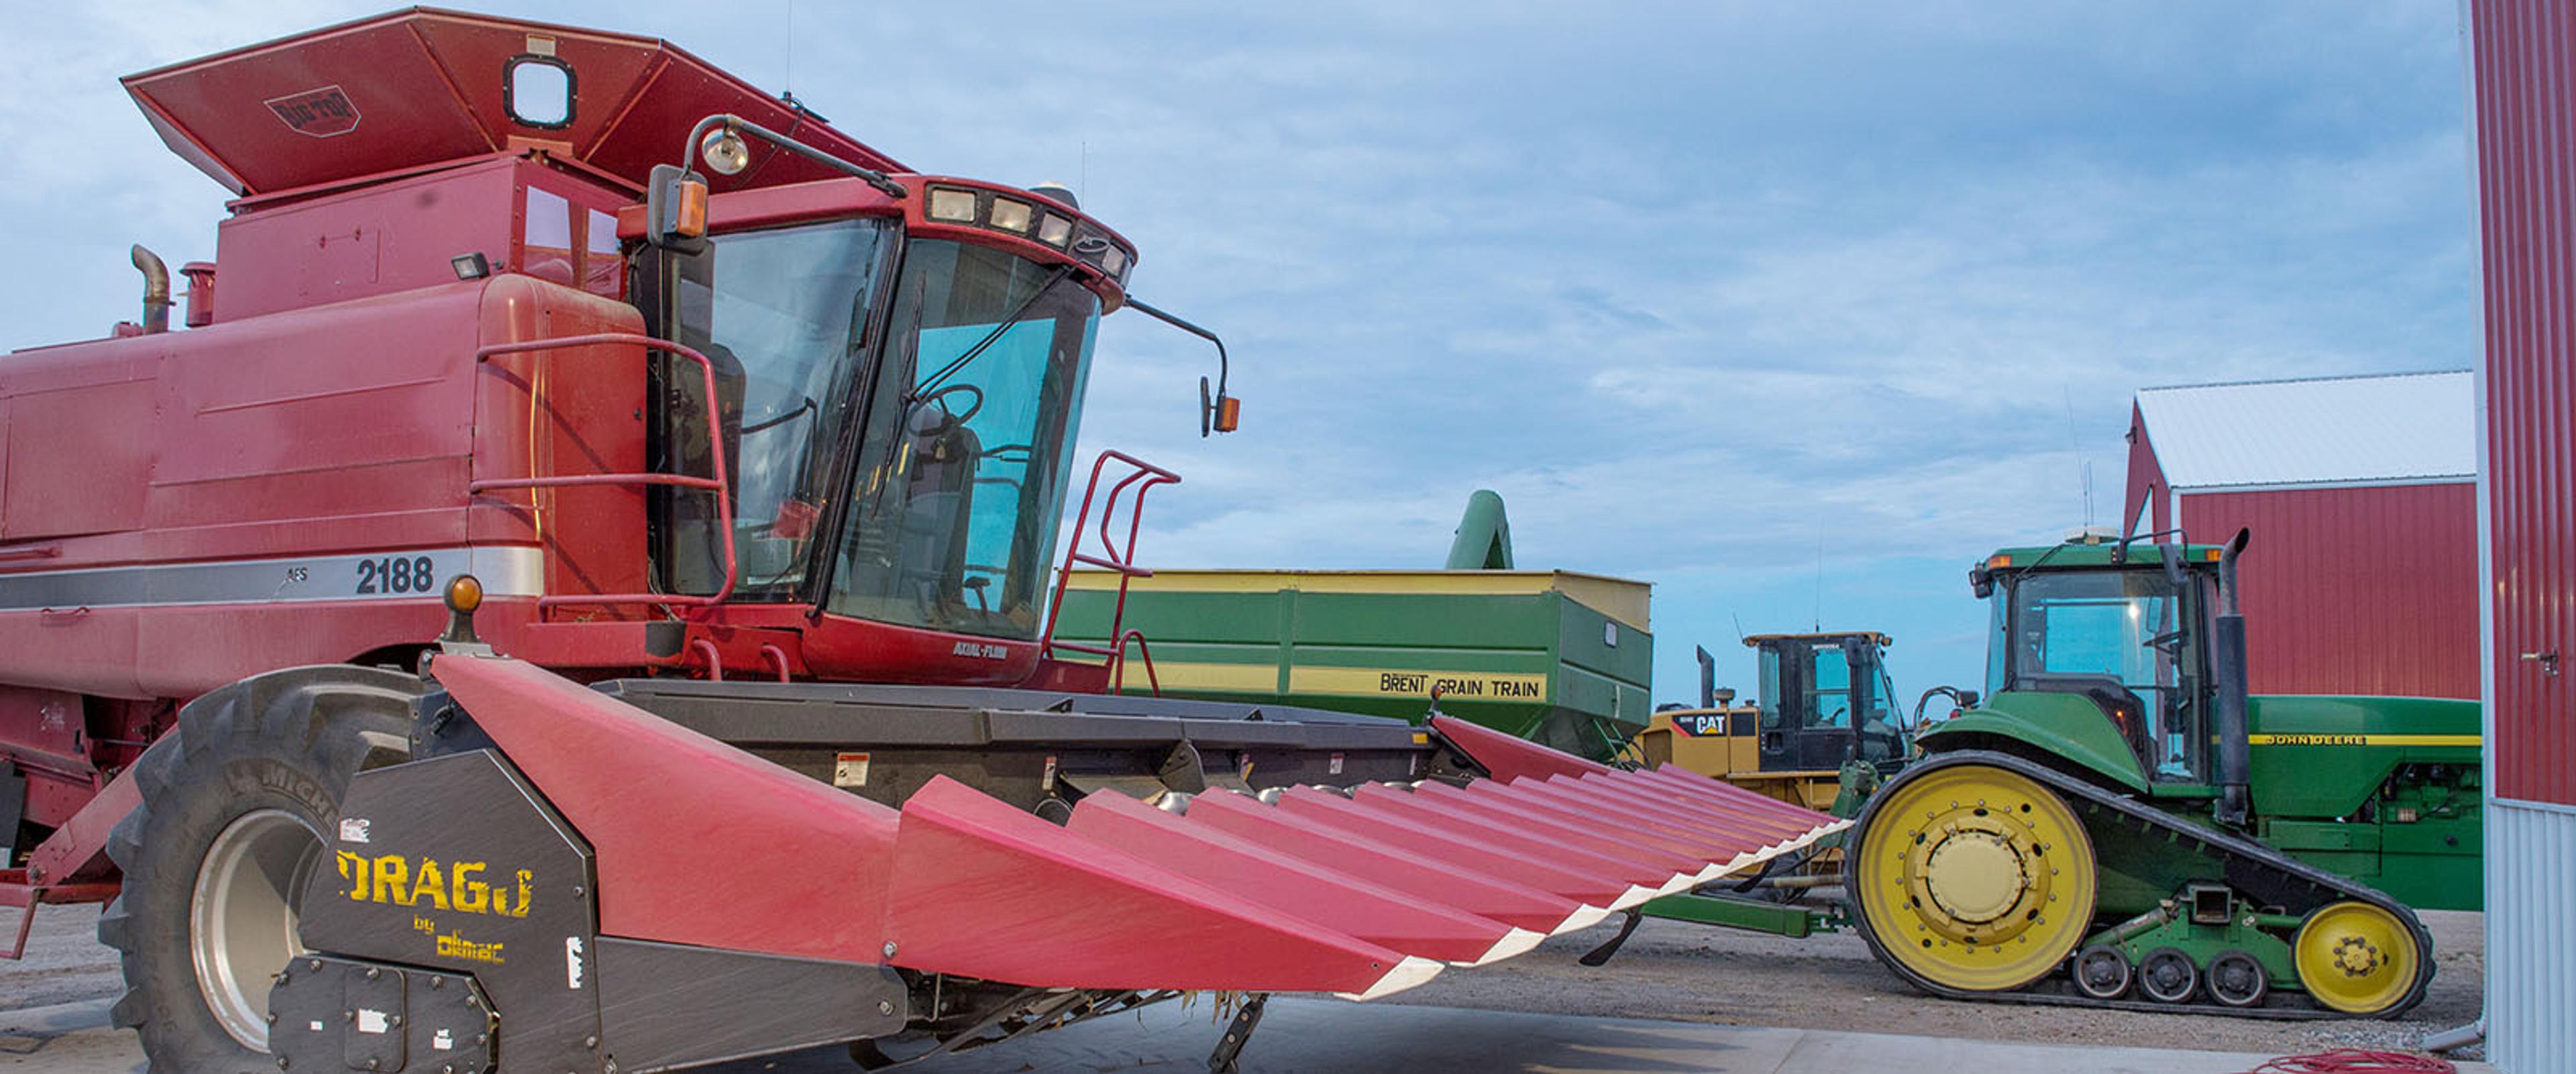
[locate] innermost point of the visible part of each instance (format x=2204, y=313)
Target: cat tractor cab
x=1825, y=727
x=2121, y=822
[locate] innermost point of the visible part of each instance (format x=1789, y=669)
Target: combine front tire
x=236, y=804
x=1966, y=877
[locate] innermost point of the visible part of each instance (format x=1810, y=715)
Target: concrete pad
x=1312, y=1036
x=1306, y=1036
x=70, y=1037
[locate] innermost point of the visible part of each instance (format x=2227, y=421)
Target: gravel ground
x=1674, y=970
x=64, y=963
x=1668, y=970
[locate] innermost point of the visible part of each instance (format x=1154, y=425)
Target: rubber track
x=2237, y=852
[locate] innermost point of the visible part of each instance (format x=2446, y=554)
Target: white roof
x=2301, y=432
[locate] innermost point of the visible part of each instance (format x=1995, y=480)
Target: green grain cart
x=1559, y=657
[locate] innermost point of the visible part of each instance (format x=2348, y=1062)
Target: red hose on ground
x=2355, y=1061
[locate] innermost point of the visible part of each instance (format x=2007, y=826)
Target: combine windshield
x=2129, y=639
x=967, y=443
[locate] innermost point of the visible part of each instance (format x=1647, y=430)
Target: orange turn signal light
x=691, y=219
x=464, y=593
x=1999, y=561
x=1229, y=414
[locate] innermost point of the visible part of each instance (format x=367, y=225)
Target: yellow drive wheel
x=2356, y=958
x=1973, y=877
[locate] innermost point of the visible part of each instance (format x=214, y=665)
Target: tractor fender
x=2063, y=731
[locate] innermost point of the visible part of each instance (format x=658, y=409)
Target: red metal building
x=2520, y=67
x=2361, y=493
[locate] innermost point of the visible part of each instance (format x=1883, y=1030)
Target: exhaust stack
x=156, y=291
x=2233, y=755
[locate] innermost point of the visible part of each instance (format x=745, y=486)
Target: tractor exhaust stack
x=2234, y=754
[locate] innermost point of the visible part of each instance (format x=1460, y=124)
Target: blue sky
x=1791, y=309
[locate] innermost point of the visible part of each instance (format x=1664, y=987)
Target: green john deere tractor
x=2119, y=824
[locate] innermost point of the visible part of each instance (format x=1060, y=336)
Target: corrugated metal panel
x=2285, y=432
x=2370, y=590
x=2531, y=938
x=2524, y=79
x=2147, y=483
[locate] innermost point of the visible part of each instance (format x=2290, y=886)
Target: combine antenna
x=1082, y=175
x=1739, y=625
x=791, y=50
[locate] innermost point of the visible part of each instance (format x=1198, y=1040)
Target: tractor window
x=782, y=314
x=1772, y=686
x=2128, y=640
x=1829, y=692
x=967, y=444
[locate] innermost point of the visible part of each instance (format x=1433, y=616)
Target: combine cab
x=2119, y=824
x=571, y=599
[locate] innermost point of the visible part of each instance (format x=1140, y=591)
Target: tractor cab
x=1825, y=701
x=2106, y=648
x=1824, y=729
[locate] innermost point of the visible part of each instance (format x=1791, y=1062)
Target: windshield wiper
x=932, y=383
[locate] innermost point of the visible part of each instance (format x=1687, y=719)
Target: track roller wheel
x=2355, y=957
x=2102, y=972
x=2236, y=979
x=2167, y=975
x=236, y=802
x=1970, y=877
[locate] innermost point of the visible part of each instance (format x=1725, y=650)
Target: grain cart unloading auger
x=479, y=371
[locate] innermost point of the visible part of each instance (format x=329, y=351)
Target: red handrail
x=716, y=484
x=1143, y=477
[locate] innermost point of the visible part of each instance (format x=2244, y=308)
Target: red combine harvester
x=747, y=445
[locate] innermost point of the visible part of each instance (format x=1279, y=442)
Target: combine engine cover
x=574, y=876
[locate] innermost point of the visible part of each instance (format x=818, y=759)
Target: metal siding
x=2389, y=427
x=2526, y=139
x=2523, y=143
x=2530, y=930
x=2146, y=480
x=2370, y=590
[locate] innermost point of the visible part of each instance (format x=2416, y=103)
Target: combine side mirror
x=1218, y=412
x=2173, y=563
x=1981, y=581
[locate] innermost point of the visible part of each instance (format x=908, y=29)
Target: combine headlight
x=724, y=151
x=1113, y=261
x=1013, y=216
x=1055, y=230
x=952, y=205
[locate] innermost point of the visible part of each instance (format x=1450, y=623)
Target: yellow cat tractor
x=1825, y=727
